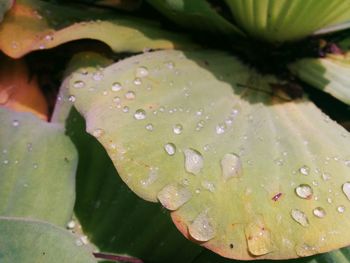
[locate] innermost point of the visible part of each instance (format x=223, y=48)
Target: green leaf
x=33, y=241
x=37, y=168
x=330, y=74
x=113, y=217
x=34, y=25
x=246, y=172
x=286, y=20
x=4, y=6
x=196, y=14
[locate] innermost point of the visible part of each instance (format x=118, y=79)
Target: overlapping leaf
x=37, y=168
x=33, y=241
x=35, y=24
x=330, y=74
x=248, y=173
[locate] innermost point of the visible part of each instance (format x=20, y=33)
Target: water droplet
x=152, y=176
x=319, y=212
x=79, y=84
x=149, y=127
x=305, y=170
x=193, y=161
x=35, y=165
x=130, y=95
x=326, y=176
x=5, y=162
x=304, y=191
x=140, y=114
x=177, y=129
x=220, y=128
x=209, y=186
x=173, y=196
x=78, y=242
x=305, y=250
x=170, y=148
x=116, y=86
x=258, y=239
x=202, y=228
x=141, y=72
x=347, y=163
x=346, y=189
x=49, y=37
x=71, y=224
x=341, y=209
x=170, y=64
x=299, y=217
x=98, y=133
x=137, y=81
x=231, y=166
x=125, y=109
x=71, y=98
x=15, y=123
x=97, y=76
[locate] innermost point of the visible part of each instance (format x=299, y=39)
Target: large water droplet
x=305, y=250
x=258, y=239
x=202, y=228
x=140, y=114
x=141, y=72
x=173, y=196
x=346, y=189
x=319, y=212
x=231, y=166
x=177, y=129
x=170, y=148
x=79, y=84
x=193, y=161
x=304, y=191
x=299, y=217
x=116, y=86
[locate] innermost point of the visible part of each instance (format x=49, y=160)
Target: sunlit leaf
x=19, y=91
x=284, y=20
x=37, y=169
x=33, y=241
x=330, y=74
x=35, y=24
x=247, y=174
x=196, y=14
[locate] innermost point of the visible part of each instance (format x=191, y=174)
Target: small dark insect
x=293, y=90
x=276, y=197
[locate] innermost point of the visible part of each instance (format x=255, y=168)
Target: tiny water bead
x=173, y=196
x=79, y=84
x=98, y=133
x=137, y=81
x=141, y=72
x=170, y=148
x=130, y=95
x=346, y=189
x=319, y=212
x=177, y=128
x=71, y=98
x=202, y=228
x=305, y=170
x=140, y=114
x=116, y=86
x=341, y=209
x=304, y=191
x=15, y=123
x=231, y=166
x=193, y=161
x=149, y=127
x=300, y=217
x=220, y=128
x=208, y=186
x=71, y=224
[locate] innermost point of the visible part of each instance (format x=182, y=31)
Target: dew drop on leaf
x=15, y=123
x=231, y=166
x=258, y=239
x=341, y=209
x=202, y=228
x=170, y=148
x=79, y=84
x=305, y=170
x=116, y=86
x=130, y=95
x=173, y=196
x=98, y=133
x=71, y=98
x=193, y=161
x=299, y=217
x=305, y=250
x=177, y=129
x=304, y=191
x=346, y=189
x=141, y=72
x=140, y=114
x=319, y=212
x=137, y=81
x=149, y=127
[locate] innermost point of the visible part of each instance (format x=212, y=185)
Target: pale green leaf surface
x=113, y=217
x=37, y=169
x=191, y=130
x=196, y=14
x=4, y=6
x=35, y=24
x=32, y=241
x=286, y=20
x=330, y=74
